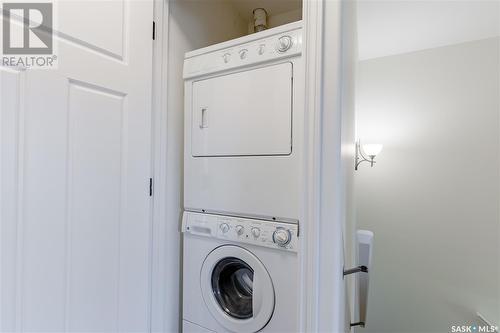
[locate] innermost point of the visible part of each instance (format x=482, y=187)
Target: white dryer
x=244, y=126
x=239, y=275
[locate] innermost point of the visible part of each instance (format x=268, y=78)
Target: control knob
x=243, y=53
x=255, y=232
x=284, y=43
x=224, y=227
x=282, y=237
x=261, y=49
x=239, y=230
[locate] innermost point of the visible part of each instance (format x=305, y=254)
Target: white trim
x=349, y=57
x=309, y=291
x=165, y=296
x=323, y=299
x=331, y=247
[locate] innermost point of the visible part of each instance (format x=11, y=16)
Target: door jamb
x=322, y=290
x=165, y=270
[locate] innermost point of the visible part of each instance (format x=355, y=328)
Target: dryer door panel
x=245, y=113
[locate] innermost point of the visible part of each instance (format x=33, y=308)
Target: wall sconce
x=362, y=151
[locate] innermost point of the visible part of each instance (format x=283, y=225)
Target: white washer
x=244, y=126
x=239, y=275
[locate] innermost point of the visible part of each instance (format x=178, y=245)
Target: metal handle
x=358, y=269
x=204, y=118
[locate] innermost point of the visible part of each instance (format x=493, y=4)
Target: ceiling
x=402, y=26
x=245, y=7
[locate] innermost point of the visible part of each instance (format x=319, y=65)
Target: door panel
x=109, y=16
x=77, y=214
x=95, y=202
x=11, y=88
x=245, y=113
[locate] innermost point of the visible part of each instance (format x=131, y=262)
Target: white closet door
x=75, y=168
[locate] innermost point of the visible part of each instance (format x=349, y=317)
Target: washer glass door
x=237, y=289
x=232, y=285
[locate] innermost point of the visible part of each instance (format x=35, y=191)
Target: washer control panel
x=276, y=235
x=272, y=46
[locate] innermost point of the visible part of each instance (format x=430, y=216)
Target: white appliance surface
x=245, y=113
x=239, y=275
x=243, y=126
x=189, y=327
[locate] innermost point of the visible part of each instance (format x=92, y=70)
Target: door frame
x=329, y=154
x=321, y=245
x=166, y=247
x=327, y=158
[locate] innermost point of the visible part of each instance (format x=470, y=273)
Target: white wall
x=396, y=27
x=432, y=199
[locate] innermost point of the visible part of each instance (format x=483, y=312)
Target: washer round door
x=237, y=289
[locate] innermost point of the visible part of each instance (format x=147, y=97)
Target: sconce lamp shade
x=372, y=149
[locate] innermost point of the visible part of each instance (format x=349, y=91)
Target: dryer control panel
x=278, y=235
x=272, y=44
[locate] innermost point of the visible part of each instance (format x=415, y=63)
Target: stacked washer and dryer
x=242, y=183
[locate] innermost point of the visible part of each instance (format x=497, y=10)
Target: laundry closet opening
x=234, y=155
x=212, y=115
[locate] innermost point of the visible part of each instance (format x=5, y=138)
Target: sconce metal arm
x=360, y=157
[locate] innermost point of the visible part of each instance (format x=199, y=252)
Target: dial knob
x=255, y=232
x=282, y=237
x=261, y=49
x=224, y=227
x=239, y=230
x=284, y=43
x=243, y=53
x=226, y=57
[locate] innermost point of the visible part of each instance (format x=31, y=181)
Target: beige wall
x=279, y=19
x=196, y=24
x=432, y=200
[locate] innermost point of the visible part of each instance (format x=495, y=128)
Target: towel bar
x=358, y=269
x=364, y=243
